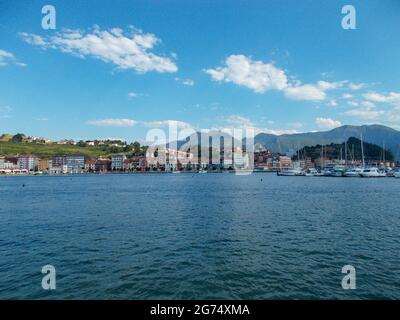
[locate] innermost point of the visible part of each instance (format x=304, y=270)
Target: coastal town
x=176, y=161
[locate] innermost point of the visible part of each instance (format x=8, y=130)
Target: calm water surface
x=203, y=236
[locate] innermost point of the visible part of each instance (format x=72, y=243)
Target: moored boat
x=311, y=172
x=338, y=171
x=354, y=172
x=291, y=172
x=372, y=173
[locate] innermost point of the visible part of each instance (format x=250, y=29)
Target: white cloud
x=239, y=121
x=366, y=110
x=186, y=82
x=255, y=75
x=276, y=132
x=356, y=86
x=368, y=105
x=34, y=39
x=325, y=85
x=130, y=51
x=113, y=122
x=327, y=123
x=305, y=92
x=261, y=77
x=392, y=98
x=374, y=96
x=313, y=92
x=7, y=57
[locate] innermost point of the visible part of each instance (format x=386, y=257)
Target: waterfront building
x=90, y=165
x=103, y=165
x=137, y=163
x=58, y=161
x=11, y=163
x=27, y=162
x=63, y=169
x=285, y=162
x=117, y=162
x=128, y=165
x=142, y=163
x=43, y=165
x=76, y=163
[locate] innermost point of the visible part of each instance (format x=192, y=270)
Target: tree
x=81, y=144
x=136, y=148
x=19, y=137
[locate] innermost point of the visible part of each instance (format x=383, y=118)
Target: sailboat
x=356, y=171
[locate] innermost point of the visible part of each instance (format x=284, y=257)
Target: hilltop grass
x=48, y=150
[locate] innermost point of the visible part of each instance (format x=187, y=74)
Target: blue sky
x=114, y=69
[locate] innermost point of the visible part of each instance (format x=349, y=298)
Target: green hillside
x=337, y=151
x=47, y=150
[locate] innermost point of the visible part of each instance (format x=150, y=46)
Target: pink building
x=27, y=162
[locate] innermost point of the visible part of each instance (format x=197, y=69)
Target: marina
x=369, y=172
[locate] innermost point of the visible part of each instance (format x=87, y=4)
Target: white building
x=117, y=162
x=76, y=163
x=58, y=169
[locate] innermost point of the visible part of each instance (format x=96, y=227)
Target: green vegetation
x=47, y=150
x=337, y=151
x=6, y=137
x=11, y=145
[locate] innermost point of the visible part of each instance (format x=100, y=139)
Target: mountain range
x=289, y=143
x=380, y=135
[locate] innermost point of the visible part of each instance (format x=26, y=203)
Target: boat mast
x=362, y=151
x=384, y=153
x=322, y=157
